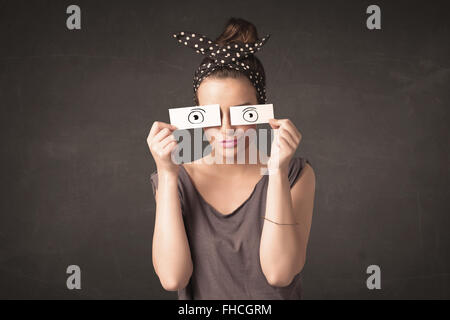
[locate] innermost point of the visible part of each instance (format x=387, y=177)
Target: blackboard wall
x=77, y=106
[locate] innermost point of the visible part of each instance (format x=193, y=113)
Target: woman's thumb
x=273, y=123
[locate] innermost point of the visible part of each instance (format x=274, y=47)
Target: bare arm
x=283, y=247
x=171, y=253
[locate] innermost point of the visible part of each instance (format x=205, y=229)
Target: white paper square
x=195, y=117
x=251, y=114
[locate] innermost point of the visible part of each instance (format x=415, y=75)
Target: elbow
x=283, y=278
x=276, y=280
x=174, y=284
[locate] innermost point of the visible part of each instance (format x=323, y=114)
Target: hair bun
x=237, y=31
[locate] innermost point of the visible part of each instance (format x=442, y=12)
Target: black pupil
x=196, y=117
x=251, y=115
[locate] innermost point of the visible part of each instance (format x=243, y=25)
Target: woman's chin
x=229, y=152
x=226, y=152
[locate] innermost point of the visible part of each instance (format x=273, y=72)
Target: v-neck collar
x=214, y=210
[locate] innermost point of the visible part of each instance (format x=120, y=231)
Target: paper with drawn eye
x=253, y=114
x=195, y=117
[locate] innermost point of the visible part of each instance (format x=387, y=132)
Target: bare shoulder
x=309, y=172
x=306, y=182
x=305, y=185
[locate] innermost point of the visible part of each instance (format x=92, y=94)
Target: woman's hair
x=236, y=31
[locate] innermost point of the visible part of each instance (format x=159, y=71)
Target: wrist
x=278, y=171
x=167, y=174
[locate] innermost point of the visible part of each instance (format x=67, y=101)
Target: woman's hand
x=285, y=142
x=162, y=142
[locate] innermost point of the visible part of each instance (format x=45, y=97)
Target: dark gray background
x=76, y=108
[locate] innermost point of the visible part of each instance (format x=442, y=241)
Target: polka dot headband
x=230, y=55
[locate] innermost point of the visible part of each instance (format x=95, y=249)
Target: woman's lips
x=230, y=143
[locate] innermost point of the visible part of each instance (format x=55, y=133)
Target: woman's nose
x=227, y=128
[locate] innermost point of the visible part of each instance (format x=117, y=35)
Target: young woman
x=225, y=231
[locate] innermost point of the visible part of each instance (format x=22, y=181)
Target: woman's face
x=226, y=92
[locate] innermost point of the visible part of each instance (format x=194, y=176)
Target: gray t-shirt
x=225, y=248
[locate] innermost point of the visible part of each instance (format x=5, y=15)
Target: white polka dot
x=182, y=33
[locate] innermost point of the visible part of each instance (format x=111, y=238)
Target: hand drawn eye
x=250, y=115
x=196, y=116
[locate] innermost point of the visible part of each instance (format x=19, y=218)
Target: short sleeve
x=295, y=169
x=154, y=183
